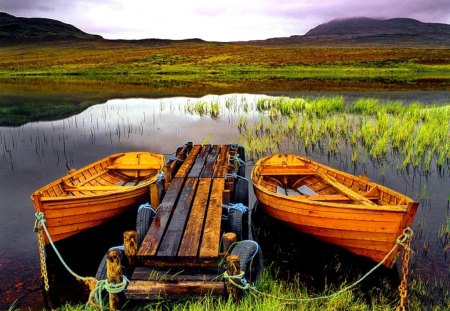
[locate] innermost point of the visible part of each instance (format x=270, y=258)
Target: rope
x=237, y=159
x=160, y=176
x=407, y=234
x=90, y=281
x=95, y=297
x=236, y=176
x=174, y=159
x=237, y=206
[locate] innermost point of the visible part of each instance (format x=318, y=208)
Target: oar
x=96, y=188
x=349, y=192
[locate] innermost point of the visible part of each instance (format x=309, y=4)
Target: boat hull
x=363, y=229
x=89, y=201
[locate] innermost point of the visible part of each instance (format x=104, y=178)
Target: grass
x=226, y=62
x=385, y=298
x=418, y=134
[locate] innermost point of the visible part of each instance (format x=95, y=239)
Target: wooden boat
x=336, y=207
x=95, y=193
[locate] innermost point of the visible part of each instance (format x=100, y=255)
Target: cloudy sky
x=220, y=20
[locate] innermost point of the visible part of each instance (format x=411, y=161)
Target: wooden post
x=154, y=195
x=227, y=241
x=114, y=275
x=167, y=176
x=233, y=268
x=130, y=244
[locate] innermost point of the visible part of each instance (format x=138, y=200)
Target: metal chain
x=403, y=287
x=41, y=243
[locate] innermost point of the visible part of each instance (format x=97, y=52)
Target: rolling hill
x=366, y=31
x=21, y=29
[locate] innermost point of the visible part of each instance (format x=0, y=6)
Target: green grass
x=133, y=63
x=280, y=295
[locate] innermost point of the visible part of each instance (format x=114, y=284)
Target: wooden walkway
x=180, y=253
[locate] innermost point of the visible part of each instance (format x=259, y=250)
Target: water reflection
x=36, y=153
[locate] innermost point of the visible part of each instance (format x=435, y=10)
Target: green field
x=216, y=63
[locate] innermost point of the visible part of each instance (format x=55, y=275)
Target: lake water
x=39, y=152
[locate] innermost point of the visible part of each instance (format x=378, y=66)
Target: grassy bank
x=281, y=295
x=139, y=63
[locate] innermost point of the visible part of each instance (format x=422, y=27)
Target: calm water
x=37, y=153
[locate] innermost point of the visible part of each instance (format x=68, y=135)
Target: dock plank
x=199, y=163
x=156, y=290
x=183, y=171
x=221, y=168
x=192, y=234
x=153, y=237
x=171, y=240
x=209, y=248
x=155, y=274
x=210, y=162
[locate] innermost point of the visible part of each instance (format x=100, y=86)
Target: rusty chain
x=405, y=241
x=43, y=263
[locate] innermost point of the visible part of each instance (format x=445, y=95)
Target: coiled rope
x=95, y=286
x=402, y=240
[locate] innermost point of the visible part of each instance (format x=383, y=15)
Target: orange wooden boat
x=336, y=207
x=95, y=193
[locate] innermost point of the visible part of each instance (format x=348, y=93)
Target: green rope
x=406, y=235
x=113, y=288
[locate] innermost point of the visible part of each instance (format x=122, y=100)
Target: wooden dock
x=180, y=253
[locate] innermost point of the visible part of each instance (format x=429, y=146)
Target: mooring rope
x=236, y=176
x=400, y=241
x=96, y=286
x=237, y=206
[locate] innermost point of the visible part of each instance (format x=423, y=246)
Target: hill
x=21, y=29
x=363, y=30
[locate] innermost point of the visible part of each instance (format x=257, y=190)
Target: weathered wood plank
x=156, y=290
x=188, y=162
x=192, y=233
x=209, y=247
x=210, y=162
x=152, y=274
x=197, y=167
x=221, y=166
x=153, y=237
x=171, y=240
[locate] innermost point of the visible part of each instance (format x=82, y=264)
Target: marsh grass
x=281, y=295
x=417, y=133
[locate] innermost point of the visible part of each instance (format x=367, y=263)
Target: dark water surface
x=36, y=153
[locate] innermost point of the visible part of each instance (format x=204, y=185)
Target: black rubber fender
x=241, y=191
x=251, y=259
x=235, y=222
x=144, y=218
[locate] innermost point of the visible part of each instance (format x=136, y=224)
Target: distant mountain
x=364, y=30
x=364, y=26
x=21, y=29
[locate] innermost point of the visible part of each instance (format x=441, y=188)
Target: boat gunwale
x=62, y=180
x=256, y=176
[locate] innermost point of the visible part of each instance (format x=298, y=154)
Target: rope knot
x=40, y=217
x=405, y=237
x=238, y=277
